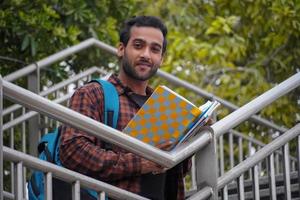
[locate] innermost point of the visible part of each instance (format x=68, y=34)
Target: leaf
x=25, y=43
x=33, y=46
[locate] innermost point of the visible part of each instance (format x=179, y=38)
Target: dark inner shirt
x=160, y=186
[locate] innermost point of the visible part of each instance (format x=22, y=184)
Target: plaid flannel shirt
x=88, y=155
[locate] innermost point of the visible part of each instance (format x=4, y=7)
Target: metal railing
x=69, y=176
x=92, y=42
x=252, y=162
x=67, y=116
x=77, y=80
x=58, y=97
x=36, y=67
x=86, y=76
x=33, y=70
x=82, y=122
x=77, y=120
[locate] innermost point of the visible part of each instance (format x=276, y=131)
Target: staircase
x=264, y=189
x=271, y=176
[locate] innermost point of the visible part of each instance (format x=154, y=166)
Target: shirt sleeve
x=84, y=153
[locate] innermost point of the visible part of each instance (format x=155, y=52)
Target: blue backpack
x=48, y=149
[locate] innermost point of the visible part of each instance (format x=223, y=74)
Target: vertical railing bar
x=222, y=167
x=231, y=156
x=76, y=190
x=33, y=84
x=56, y=124
x=259, y=164
x=48, y=186
x=240, y=181
x=51, y=123
x=286, y=171
x=23, y=135
x=240, y=187
x=193, y=174
x=271, y=175
x=101, y=196
x=249, y=154
x=225, y=193
x=293, y=166
x=11, y=144
x=221, y=155
x=56, y=96
x=46, y=120
x=241, y=153
x=255, y=183
x=277, y=165
x=18, y=181
x=298, y=160
x=23, y=132
x=89, y=77
x=1, y=139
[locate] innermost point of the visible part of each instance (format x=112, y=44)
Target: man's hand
x=165, y=146
x=210, y=121
x=149, y=166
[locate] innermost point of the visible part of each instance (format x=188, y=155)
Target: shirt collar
x=121, y=88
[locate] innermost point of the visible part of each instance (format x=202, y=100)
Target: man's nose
x=146, y=53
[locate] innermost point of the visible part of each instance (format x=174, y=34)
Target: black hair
x=143, y=21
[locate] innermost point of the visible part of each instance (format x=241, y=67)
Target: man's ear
x=120, y=50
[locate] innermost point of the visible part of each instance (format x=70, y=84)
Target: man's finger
x=164, y=146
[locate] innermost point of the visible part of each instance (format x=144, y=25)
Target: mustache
x=144, y=62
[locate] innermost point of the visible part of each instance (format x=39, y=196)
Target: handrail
x=177, y=81
x=114, y=136
x=68, y=175
x=204, y=193
x=31, y=114
x=58, y=86
x=93, y=42
x=59, y=56
x=258, y=156
x=242, y=114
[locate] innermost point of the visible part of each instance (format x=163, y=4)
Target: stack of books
x=167, y=116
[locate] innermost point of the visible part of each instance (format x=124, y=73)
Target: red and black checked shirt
x=86, y=154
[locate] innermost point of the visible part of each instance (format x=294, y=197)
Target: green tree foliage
x=235, y=49
x=32, y=30
x=232, y=48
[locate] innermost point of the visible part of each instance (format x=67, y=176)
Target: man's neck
x=138, y=87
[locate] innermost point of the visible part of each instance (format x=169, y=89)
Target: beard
x=130, y=70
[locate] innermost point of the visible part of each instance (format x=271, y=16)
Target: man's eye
x=137, y=45
x=156, y=49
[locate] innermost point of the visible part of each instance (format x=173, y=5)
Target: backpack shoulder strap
x=49, y=145
x=111, y=103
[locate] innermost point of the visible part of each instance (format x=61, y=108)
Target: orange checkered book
x=165, y=116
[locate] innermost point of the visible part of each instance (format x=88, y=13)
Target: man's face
x=142, y=56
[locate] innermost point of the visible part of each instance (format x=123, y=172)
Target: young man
x=141, y=49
